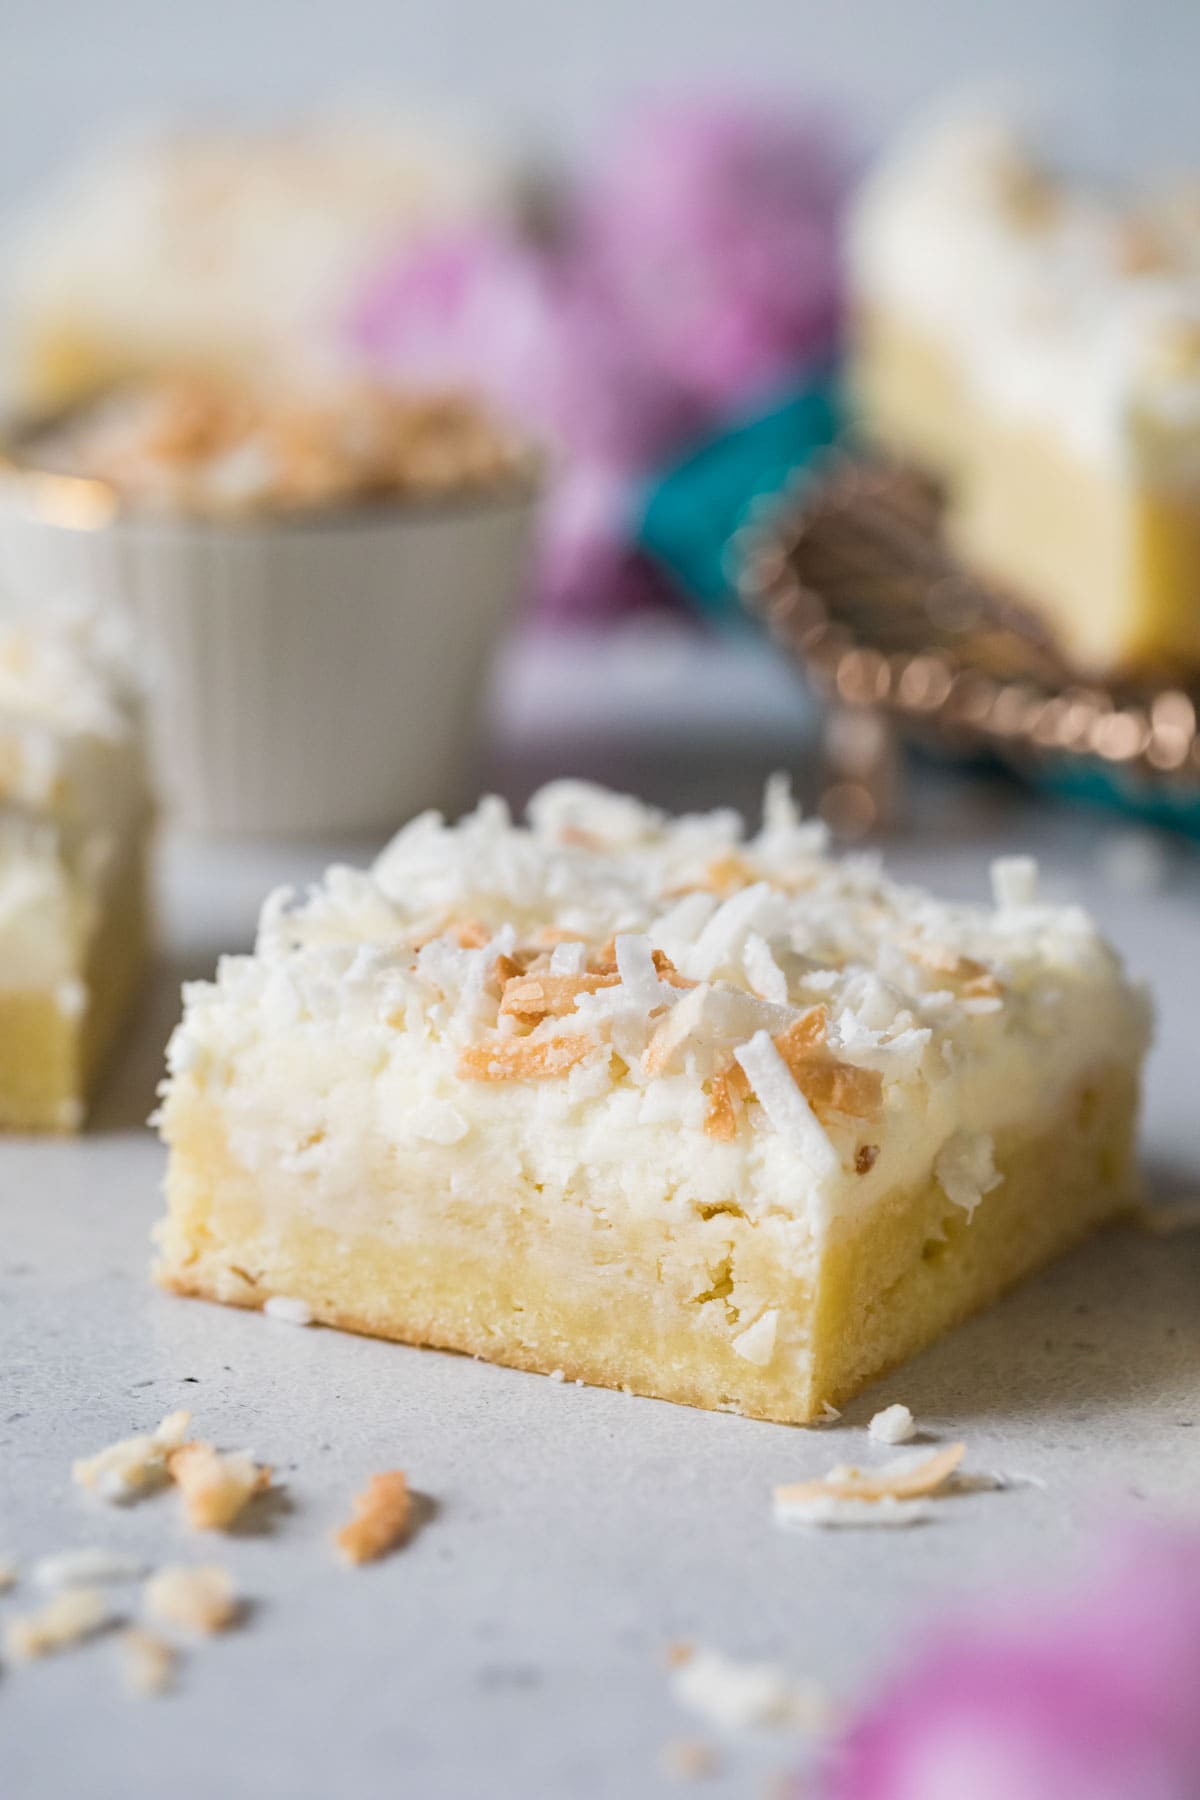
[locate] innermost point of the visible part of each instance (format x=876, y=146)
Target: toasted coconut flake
x=721, y=1120
x=133, y=1466
x=901, y=1480
x=70, y=1617
x=200, y=1597
x=865, y=1158
x=504, y=969
x=215, y=1488
x=382, y=1518
x=806, y=1037
x=785, y=1105
x=525, y=1058
x=966, y=974
x=535, y=997
x=838, y=1087
x=149, y=1661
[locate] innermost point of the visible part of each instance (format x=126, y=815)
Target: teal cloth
x=691, y=511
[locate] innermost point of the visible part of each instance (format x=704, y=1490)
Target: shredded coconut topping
x=629, y=970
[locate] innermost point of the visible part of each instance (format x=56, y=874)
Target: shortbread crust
x=718, y=1120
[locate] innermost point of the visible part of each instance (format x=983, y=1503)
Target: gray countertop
x=515, y=1647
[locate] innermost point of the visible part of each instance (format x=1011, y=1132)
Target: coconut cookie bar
x=645, y=1101
x=1035, y=343
x=74, y=830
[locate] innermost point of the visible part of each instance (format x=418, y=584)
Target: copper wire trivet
x=849, y=571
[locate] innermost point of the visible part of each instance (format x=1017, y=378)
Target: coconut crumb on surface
x=215, y=1487
x=558, y=1375
x=891, y=1495
x=148, y=1661
x=86, y=1567
x=894, y=1425
x=688, y=1759
x=748, y=1695
x=200, y=1597
x=287, y=1311
x=133, y=1466
x=382, y=1519
x=828, y=1415
x=67, y=1619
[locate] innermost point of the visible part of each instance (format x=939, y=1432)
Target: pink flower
x=692, y=277
x=534, y=330
x=1096, y=1697
x=716, y=228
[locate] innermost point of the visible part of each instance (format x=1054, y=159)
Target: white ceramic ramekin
x=309, y=675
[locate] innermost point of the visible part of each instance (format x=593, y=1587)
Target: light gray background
x=1117, y=77
x=514, y=1650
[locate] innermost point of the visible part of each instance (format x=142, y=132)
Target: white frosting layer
x=72, y=787
x=232, y=244
x=341, y=1041
x=1060, y=305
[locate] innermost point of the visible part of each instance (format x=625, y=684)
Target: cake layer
x=647, y=1101
x=545, y=1280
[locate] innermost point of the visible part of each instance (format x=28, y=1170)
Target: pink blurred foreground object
x=716, y=226
x=1096, y=1697
x=693, y=278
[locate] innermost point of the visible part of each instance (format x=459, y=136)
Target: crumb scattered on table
x=215, y=1487
x=67, y=1619
x=894, y=1425
x=149, y=1662
x=201, y=1597
x=133, y=1466
x=382, y=1516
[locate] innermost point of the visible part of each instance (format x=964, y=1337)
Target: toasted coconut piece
x=549, y=996
x=805, y=1038
x=71, y=1616
x=525, y=1058
x=468, y=934
x=901, y=1480
x=503, y=970
x=721, y=1120
x=970, y=976
x=200, y=1597
x=149, y=1661
x=382, y=1519
x=724, y=876
x=215, y=1488
x=865, y=1158
x=840, y=1088
x=133, y=1466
